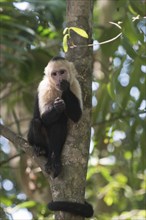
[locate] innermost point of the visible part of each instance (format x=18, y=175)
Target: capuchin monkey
x=58, y=99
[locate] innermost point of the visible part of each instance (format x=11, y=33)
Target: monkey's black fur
x=76, y=208
x=47, y=132
x=57, y=58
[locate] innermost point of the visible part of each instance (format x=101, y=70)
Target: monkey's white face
x=56, y=71
x=58, y=76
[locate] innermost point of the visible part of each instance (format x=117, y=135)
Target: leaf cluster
x=119, y=117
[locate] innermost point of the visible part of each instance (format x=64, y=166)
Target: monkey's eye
x=54, y=73
x=62, y=72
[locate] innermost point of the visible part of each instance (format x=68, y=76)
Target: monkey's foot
x=48, y=167
x=39, y=151
x=57, y=166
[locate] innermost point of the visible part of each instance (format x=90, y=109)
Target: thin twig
x=11, y=158
x=17, y=122
x=118, y=118
x=117, y=25
x=100, y=43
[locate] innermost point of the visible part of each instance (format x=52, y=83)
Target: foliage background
x=116, y=174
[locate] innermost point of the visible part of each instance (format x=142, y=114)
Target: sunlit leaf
x=6, y=201
x=65, y=44
x=128, y=155
x=108, y=200
x=80, y=31
x=28, y=204
x=65, y=30
x=121, y=178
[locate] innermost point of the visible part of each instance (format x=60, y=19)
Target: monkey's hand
x=64, y=85
x=59, y=105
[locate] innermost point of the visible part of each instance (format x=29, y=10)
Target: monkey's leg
x=48, y=165
x=37, y=137
x=57, y=139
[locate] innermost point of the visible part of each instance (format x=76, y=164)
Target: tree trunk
x=70, y=185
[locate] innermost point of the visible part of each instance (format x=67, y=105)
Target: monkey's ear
x=73, y=70
x=46, y=70
x=49, y=68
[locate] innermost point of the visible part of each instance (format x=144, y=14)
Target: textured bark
x=70, y=185
x=22, y=144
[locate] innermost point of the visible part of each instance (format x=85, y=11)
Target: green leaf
x=130, y=31
x=65, y=45
x=122, y=179
x=108, y=200
x=28, y=204
x=139, y=7
x=80, y=32
x=20, y=27
x=111, y=90
x=129, y=48
x=65, y=30
x=6, y=201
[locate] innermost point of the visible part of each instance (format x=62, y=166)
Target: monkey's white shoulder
x=46, y=94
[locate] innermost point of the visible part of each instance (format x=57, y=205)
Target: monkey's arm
x=31, y=136
x=54, y=112
x=37, y=136
x=72, y=103
x=36, y=113
x=50, y=116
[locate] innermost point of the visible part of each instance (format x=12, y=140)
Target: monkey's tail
x=76, y=208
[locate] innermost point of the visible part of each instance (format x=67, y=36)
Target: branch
x=15, y=139
x=23, y=145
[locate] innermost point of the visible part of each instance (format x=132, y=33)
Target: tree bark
x=70, y=185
